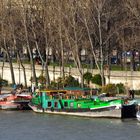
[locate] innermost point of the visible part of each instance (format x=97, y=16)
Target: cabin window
x=49, y=104
x=65, y=104
x=71, y=104
x=56, y=104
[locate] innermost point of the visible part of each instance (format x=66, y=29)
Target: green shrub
x=96, y=79
x=41, y=79
x=53, y=85
x=110, y=89
x=120, y=88
x=87, y=77
x=70, y=81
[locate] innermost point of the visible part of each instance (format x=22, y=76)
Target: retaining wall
x=129, y=78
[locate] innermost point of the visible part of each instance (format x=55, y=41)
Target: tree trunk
x=2, y=68
x=61, y=44
x=24, y=72
x=10, y=63
x=33, y=71
x=101, y=49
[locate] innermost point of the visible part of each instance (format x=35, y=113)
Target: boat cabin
x=60, y=99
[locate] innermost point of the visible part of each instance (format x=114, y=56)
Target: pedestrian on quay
x=132, y=94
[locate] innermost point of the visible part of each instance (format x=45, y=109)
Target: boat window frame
x=56, y=104
x=71, y=104
x=66, y=104
x=78, y=105
x=49, y=106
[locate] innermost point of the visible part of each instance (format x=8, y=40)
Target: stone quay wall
x=131, y=79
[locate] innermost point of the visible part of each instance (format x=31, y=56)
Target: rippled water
x=27, y=125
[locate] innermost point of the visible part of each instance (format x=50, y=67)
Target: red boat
x=10, y=101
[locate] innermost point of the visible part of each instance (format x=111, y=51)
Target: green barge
x=59, y=103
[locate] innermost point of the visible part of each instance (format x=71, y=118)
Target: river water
x=27, y=125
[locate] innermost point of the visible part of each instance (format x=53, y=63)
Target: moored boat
x=11, y=101
x=61, y=103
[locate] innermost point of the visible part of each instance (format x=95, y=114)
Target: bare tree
x=133, y=7
x=14, y=28
x=25, y=10
x=5, y=33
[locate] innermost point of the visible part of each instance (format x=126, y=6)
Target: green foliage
x=70, y=81
x=53, y=85
x=60, y=82
x=41, y=79
x=110, y=89
x=87, y=77
x=120, y=88
x=96, y=79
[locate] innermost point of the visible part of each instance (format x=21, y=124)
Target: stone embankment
x=128, y=78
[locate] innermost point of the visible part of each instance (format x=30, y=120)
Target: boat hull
x=9, y=107
x=15, y=102
x=14, y=106
x=122, y=113
x=115, y=113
